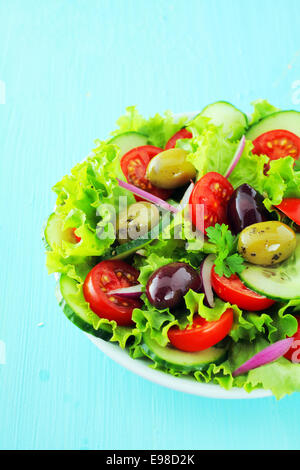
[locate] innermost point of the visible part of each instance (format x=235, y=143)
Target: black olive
x=245, y=207
x=168, y=284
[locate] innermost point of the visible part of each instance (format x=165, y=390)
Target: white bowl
x=182, y=384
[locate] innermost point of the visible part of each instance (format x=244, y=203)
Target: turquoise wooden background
x=69, y=68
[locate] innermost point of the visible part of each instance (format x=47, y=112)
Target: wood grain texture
x=70, y=68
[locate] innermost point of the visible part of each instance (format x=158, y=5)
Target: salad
x=179, y=240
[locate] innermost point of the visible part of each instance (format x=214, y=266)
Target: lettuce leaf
x=276, y=323
x=281, y=376
x=83, y=201
x=212, y=151
x=158, y=320
x=125, y=336
x=74, y=267
x=262, y=109
x=281, y=181
x=159, y=129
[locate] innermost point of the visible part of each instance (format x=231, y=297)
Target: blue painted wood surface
x=67, y=71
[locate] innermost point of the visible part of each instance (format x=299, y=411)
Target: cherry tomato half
x=182, y=134
x=107, y=276
x=201, y=334
x=134, y=165
x=293, y=353
x=76, y=238
x=291, y=208
x=213, y=191
x=70, y=236
x=234, y=291
x=277, y=144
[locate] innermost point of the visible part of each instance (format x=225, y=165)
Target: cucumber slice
x=43, y=235
x=123, y=251
x=279, y=282
x=286, y=120
x=128, y=141
x=76, y=311
x=233, y=120
x=54, y=233
x=181, y=361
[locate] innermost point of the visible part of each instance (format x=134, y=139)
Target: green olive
x=136, y=221
x=267, y=243
x=170, y=169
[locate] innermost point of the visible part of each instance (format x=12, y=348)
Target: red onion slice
x=186, y=197
x=205, y=273
x=149, y=197
x=132, y=292
x=237, y=156
x=267, y=355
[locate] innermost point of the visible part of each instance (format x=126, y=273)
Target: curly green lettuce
x=159, y=129
x=210, y=150
x=281, y=377
x=124, y=336
x=82, y=199
x=275, y=324
x=262, y=109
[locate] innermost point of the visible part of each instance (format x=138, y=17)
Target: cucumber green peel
x=280, y=282
x=127, y=249
x=171, y=358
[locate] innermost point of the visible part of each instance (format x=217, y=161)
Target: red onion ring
x=149, y=197
x=132, y=292
x=205, y=273
x=267, y=355
x=186, y=197
x=237, y=156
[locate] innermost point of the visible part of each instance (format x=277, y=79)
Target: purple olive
x=168, y=284
x=245, y=207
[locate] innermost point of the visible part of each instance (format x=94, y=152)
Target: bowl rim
x=185, y=384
